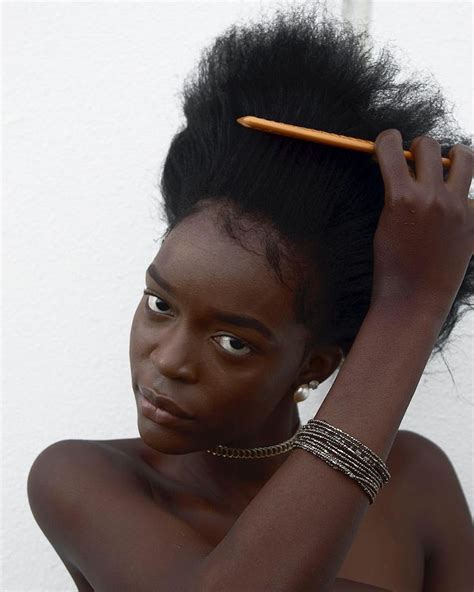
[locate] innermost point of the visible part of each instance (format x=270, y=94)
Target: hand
x=425, y=235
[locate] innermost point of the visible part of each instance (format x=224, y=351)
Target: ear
x=319, y=364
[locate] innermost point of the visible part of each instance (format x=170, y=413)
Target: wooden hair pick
x=318, y=136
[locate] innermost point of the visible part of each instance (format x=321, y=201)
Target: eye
x=240, y=350
x=151, y=298
x=238, y=347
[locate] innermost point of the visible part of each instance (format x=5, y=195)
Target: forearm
x=299, y=528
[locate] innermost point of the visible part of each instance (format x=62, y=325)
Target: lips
x=163, y=402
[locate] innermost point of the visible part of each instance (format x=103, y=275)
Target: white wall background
x=90, y=106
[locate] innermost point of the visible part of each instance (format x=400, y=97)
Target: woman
x=283, y=261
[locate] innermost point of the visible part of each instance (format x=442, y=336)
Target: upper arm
x=103, y=519
x=447, y=523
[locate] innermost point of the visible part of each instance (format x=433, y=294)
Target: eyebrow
x=226, y=317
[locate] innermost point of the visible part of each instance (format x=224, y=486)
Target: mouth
x=157, y=415
x=162, y=403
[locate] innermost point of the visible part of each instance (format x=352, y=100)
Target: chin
x=168, y=441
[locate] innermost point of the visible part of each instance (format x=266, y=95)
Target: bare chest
x=386, y=551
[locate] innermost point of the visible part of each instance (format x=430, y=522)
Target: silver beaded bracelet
x=344, y=453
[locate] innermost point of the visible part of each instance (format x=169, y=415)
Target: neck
x=223, y=477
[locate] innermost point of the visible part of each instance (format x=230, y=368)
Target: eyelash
x=149, y=293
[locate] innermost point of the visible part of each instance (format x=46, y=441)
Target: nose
x=174, y=354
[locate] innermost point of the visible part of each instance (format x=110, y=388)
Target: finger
x=461, y=169
x=392, y=161
x=428, y=163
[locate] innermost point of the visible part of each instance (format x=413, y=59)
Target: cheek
x=243, y=412
x=237, y=392
x=136, y=340
x=261, y=386
x=281, y=376
x=252, y=398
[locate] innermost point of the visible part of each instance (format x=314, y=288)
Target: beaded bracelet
x=344, y=453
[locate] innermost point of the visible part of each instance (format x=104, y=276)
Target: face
x=232, y=376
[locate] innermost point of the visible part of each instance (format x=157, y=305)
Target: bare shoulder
x=442, y=512
x=419, y=458
x=407, y=462
x=59, y=482
x=68, y=469
x=425, y=471
x=413, y=444
x=94, y=505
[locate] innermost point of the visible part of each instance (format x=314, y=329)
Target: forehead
x=207, y=267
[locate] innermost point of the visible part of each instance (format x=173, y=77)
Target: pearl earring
x=302, y=392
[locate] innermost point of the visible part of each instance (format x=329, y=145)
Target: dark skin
x=424, y=241
x=238, y=384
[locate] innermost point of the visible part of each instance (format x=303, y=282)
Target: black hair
x=320, y=202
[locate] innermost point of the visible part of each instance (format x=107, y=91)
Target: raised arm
x=296, y=533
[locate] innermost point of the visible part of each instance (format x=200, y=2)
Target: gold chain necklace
x=261, y=452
